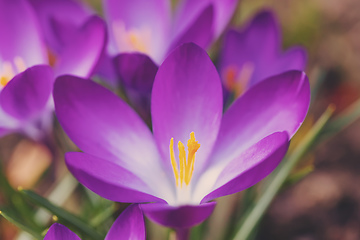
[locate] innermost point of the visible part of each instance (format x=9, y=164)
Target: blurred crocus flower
x=129, y=225
x=195, y=152
x=142, y=33
x=148, y=26
x=252, y=54
x=25, y=103
x=25, y=97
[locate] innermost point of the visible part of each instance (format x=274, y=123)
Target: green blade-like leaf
x=62, y=214
x=8, y=215
x=254, y=216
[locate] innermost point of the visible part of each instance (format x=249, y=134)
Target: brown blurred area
x=325, y=205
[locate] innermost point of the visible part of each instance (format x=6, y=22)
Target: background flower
x=253, y=53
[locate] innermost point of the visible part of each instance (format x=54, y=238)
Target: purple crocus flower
x=148, y=27
x=26, y=105
x=252, y=54
x=25, y=96
x=129, y=225
x=195, y=153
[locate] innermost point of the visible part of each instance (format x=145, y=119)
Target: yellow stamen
x=173, y=162
x=4, y=80
x=182, y=161
x=193, y=146
x=7, y=73
x=135, y=41
x=186, y=167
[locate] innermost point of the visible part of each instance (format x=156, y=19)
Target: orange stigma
x=236, y=80
x=184, y=173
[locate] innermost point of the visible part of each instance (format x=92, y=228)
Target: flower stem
x=182, y=233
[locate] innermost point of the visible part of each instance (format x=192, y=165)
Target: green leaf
x=282, y=172
x=11, y=217
x=62, y=214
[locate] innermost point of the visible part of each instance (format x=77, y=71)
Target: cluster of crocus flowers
x=219, y=153
x=129, y=225
x=194, y=150
x=140, y=34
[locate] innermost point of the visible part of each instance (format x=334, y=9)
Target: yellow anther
x=4, y=80
x=136, y=42
x=182, y=161
x=7, y=72
x=173, y=161
x=193, y=146
x=186, y=168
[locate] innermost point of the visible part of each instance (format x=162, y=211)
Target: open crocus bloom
x=195, y=152
x=253, y=54
x=129, y=225
x=26, y=105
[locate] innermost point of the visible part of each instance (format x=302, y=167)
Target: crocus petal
x=136, y=71
x=68, y=13
x=60, y=232
x=263, y=33
x=83, y=53
x=190, y=9
x=20, y=33
x=293, y=59
x=277, y=104
x=178, y=217
x=103, y=125
x=28, y=93
x=186, y=97
x=129, y=225
x=200, y=32
x=108, y=179
x=82, y=115
x=249, y=167
x=105, y=69
x=141, y=15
